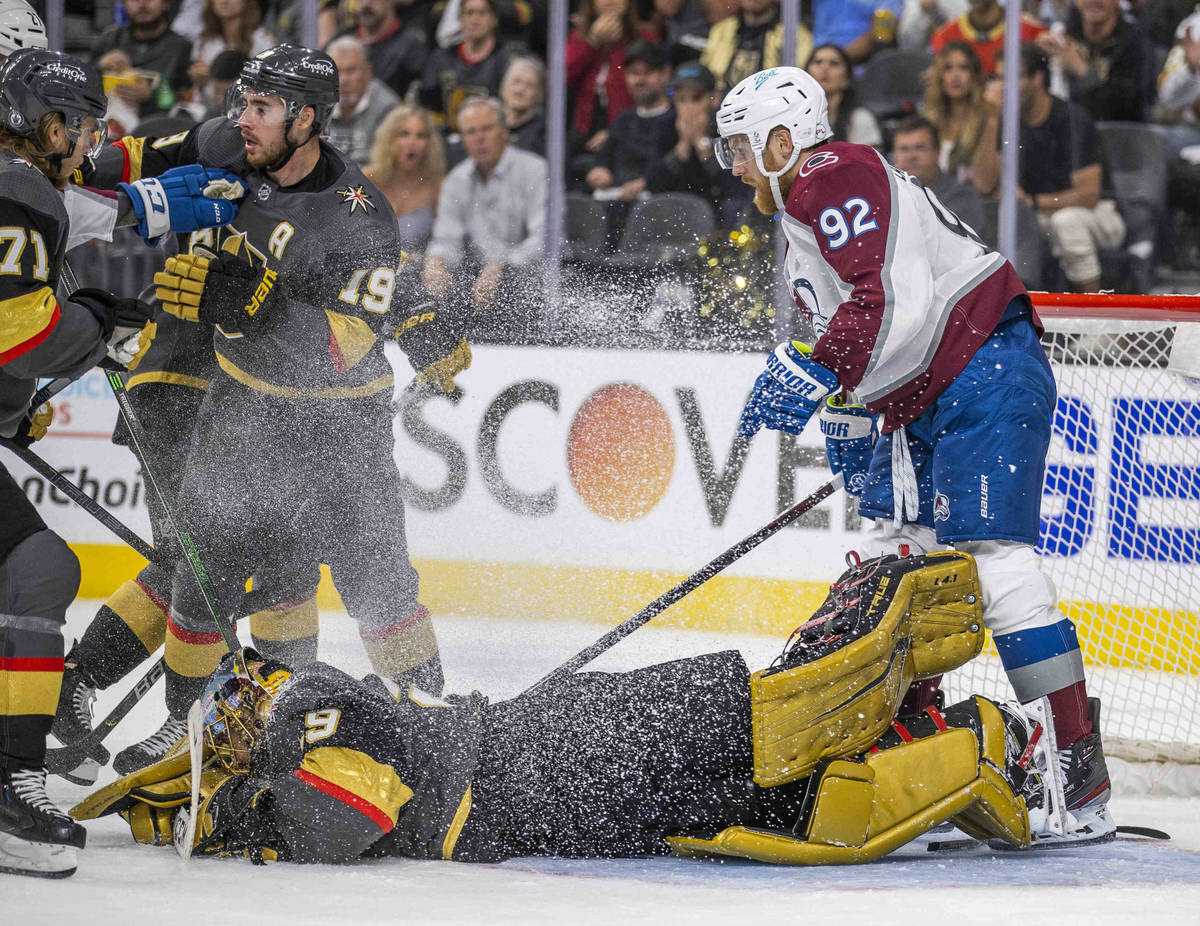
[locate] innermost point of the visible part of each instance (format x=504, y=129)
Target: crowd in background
x=442, y=103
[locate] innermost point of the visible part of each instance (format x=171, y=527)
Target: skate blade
x=36, y=859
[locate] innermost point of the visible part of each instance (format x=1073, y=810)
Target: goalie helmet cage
x=1120, y=532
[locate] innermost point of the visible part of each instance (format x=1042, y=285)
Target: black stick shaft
x=690, y=584
x=87, y=503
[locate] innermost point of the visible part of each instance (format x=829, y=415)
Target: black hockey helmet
x=300, y=76
x=36, y=81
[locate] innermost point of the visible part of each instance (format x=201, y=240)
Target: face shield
x=92, y=130
x=252, y=108
x=734, y=151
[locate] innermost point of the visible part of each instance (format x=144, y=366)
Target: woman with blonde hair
x=954, y=103
x=408, y=162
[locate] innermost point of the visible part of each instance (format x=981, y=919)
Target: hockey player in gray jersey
x=293, y=448
x=51, y=105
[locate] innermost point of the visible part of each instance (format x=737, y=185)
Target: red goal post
x=1118, y=306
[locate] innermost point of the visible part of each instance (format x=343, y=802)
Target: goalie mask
x=235, y=704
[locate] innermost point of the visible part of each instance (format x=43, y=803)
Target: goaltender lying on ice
x=803, y=762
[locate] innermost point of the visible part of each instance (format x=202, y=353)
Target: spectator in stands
x=831, y=66
x=474, y=67
x=523, y=91
x=1107, y=59
x=1179, y=110
x=226, y=67
x=596, y=68
x=685, y=24
x=915, y=148
x=858, y=28
x=750, y=41
x=954, y=104
x=1061, y=172
x=362, y=103
x=641, y=135
x=982, y=27
x=1161, y=19
x=148, y=62
x=397, y=51
x=921, y=18
x=491, y=217
x=690, y=166
x=228, y=24
x=408, y=163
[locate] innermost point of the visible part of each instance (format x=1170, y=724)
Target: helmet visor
x=93, y=131
x=252, y=108
x=733, y=151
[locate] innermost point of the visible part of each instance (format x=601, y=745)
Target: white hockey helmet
x=787, y=97
x=20, y=27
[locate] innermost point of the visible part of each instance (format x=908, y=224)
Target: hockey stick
x=65, y=759
x=207, y=591
x=86, y=502
x=690, y=584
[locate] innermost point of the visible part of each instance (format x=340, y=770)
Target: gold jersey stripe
x=24, y=317
x=193, y=660
x=456, y=825
x=140, y=613
x=284, y=624
x=291, y=392
x=165, y=376
x=133, y=155
x=356, y=772
x=352, y=339
x=29, y=693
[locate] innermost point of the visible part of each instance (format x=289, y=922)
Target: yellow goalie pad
x=863, y=811
x=926, y=619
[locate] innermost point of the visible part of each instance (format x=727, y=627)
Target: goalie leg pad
x=836, y=689
x=863, y=811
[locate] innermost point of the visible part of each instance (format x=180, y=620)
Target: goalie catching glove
x=125, y=324
x=224, y=289
x=434, y=346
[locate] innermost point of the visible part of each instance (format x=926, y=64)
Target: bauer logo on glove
x=226, y=289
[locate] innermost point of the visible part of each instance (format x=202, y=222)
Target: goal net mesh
x=1120, y=532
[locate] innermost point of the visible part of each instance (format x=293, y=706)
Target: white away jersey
x=900, y=292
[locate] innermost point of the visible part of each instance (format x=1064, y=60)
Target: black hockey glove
x=125, y=324
x=435, y=345
x=224, y=289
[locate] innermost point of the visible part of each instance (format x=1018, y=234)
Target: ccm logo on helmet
x=820, y=159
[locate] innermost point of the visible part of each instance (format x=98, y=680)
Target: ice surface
x=122, y=883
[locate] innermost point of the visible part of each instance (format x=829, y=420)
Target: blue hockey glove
x=184, y=199
x=787, y=393
x=850, y=436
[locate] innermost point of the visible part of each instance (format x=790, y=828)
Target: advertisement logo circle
x=621, y=452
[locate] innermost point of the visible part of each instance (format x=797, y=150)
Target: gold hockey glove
x=435, y=345
x=225, y=289
x=34, y=425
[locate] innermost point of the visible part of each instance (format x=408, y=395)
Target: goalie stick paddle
x=65, y=759
x=690, y=584
x=87, y=503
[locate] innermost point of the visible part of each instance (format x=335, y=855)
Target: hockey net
x=1121, y=517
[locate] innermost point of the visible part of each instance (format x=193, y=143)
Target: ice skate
x=152, y=748
x=73, y=721
x=36, y=838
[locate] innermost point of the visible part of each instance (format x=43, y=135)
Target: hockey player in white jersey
x=935, y=334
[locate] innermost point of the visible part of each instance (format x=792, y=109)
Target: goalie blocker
x=802, y=763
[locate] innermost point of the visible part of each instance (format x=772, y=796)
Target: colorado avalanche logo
x=820, y=159
x=857, y=483
x=941, y=507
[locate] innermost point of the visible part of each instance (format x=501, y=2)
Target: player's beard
x=764, y=199
x=267, y=154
